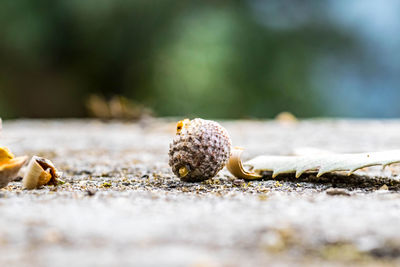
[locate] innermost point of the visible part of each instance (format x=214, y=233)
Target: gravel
x=120, y=204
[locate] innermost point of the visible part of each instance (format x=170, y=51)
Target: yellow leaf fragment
x=9, y=166
x=5, y=155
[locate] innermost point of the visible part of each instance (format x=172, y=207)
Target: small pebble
x=384, y=187
x=337, y=192
x=18, y=179
x=238, y=182
x=90, y=192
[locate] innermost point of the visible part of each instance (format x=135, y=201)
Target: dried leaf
x=322, y=164
x=118, y=107
x=9, y=166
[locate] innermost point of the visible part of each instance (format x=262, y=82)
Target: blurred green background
x=216, y=59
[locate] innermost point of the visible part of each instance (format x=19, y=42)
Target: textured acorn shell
x=203, y=147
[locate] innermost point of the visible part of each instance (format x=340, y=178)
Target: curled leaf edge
x=235, y=166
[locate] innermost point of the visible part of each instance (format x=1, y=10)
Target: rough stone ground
x=120, y=204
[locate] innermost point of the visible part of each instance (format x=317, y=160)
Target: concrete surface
x=120, y=204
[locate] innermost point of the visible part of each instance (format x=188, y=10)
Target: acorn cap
x=40, y=171
x=200, y=149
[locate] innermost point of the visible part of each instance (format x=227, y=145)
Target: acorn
x=200, y=149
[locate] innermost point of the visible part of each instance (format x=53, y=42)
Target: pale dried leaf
x=322, y=164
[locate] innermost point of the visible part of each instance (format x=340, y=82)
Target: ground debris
x=120, y=196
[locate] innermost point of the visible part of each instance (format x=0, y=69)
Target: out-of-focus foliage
x=230, y=59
